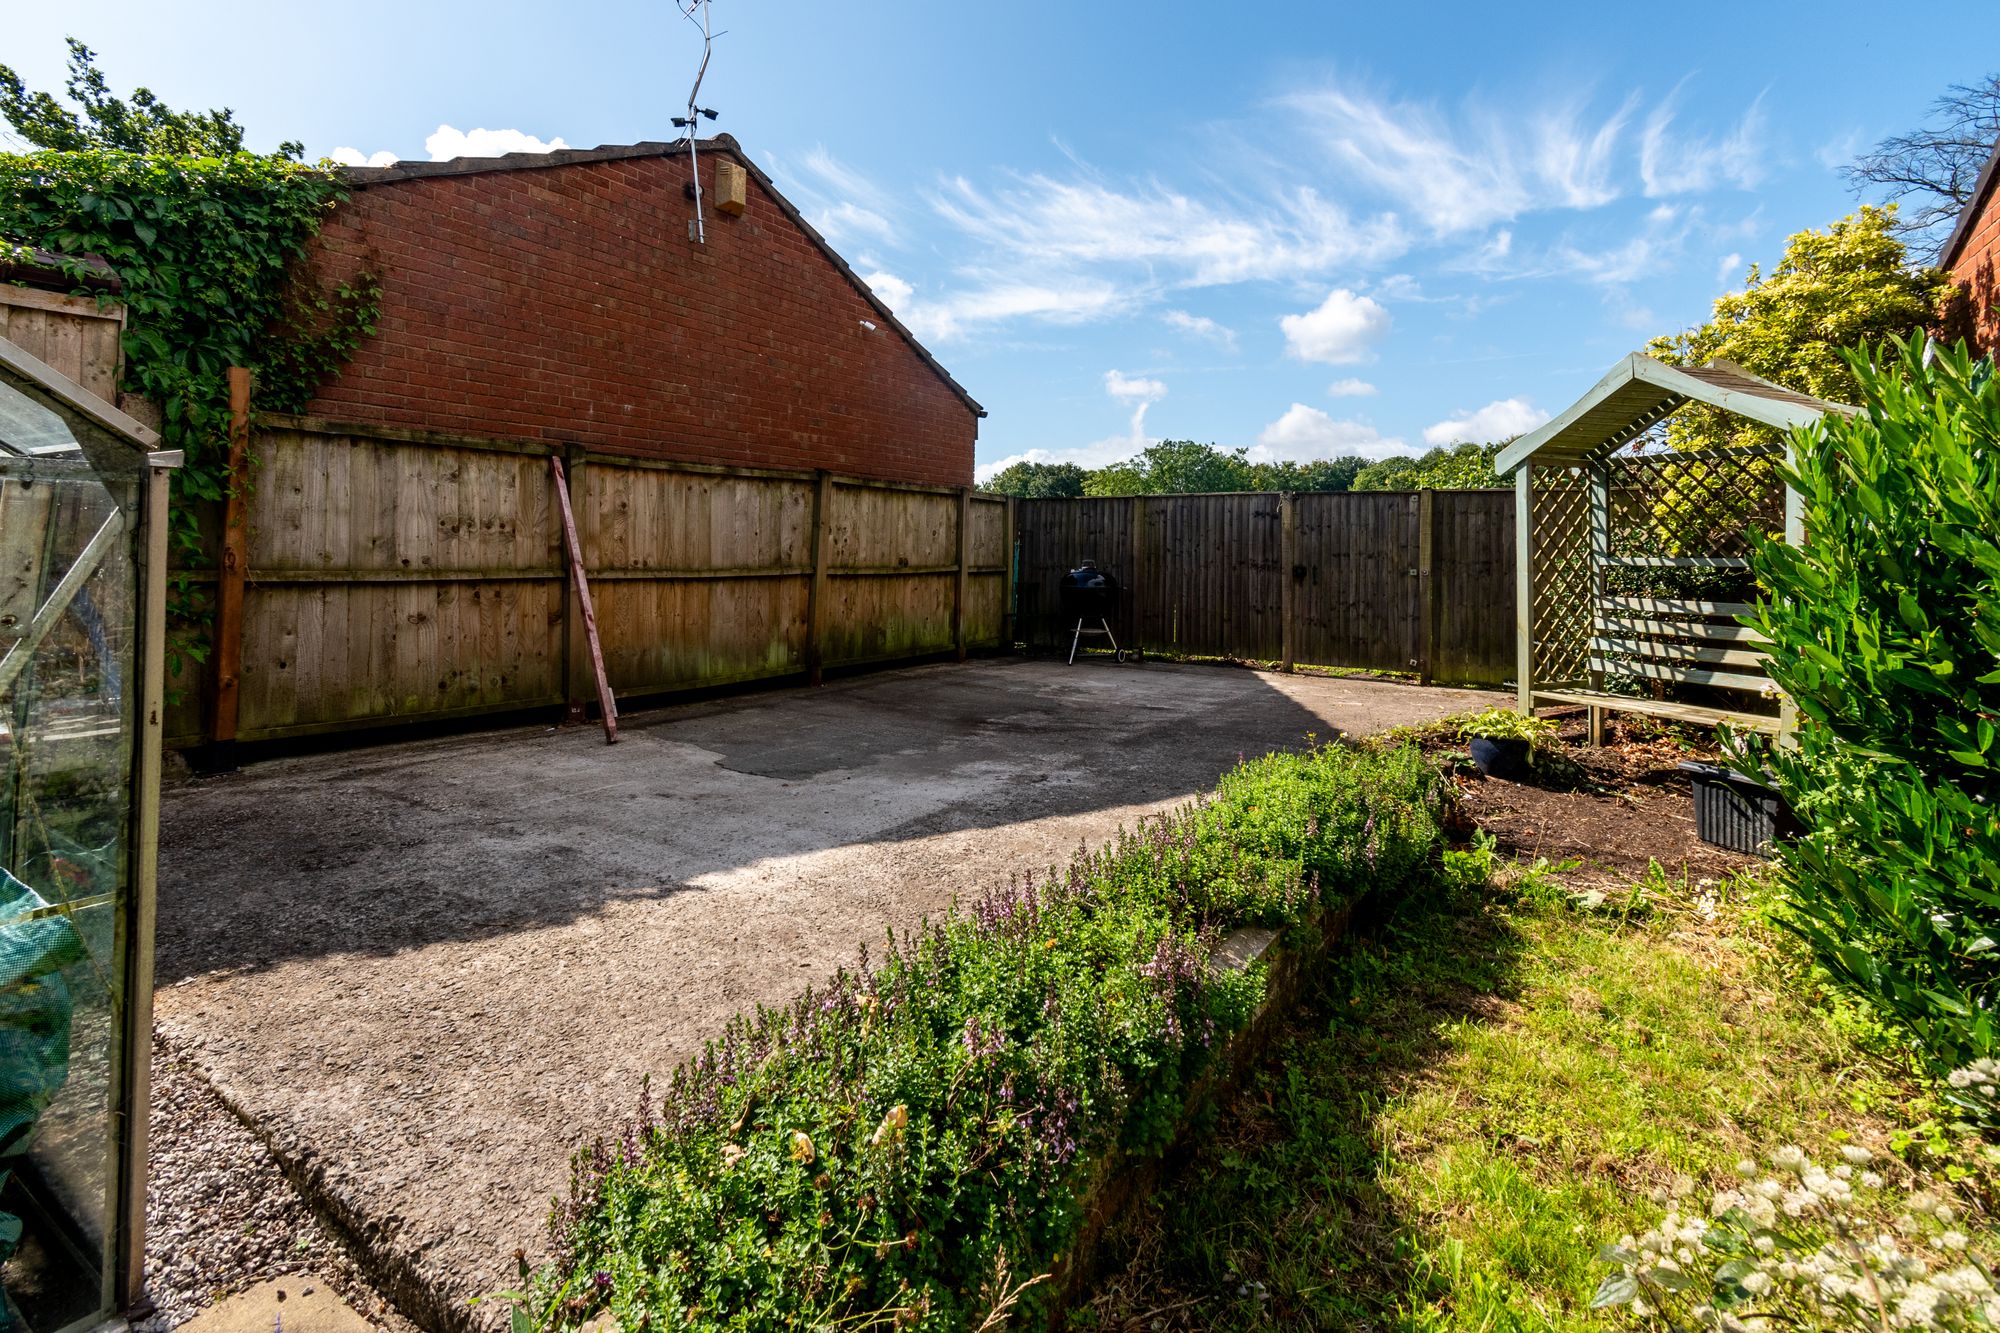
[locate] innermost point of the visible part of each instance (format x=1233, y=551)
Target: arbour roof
x=1640, y=391
x=722, y=143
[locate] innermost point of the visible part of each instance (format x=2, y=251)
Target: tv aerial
x=696, y=12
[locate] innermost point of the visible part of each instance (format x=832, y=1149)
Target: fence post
x=1426, y=585
x=578, y=682
x=234, y=568
x=822, y=517
x=963, y=588
x=1010, y=553
x=1288, y=584
x=1524, y=591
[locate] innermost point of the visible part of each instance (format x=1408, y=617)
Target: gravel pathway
x=220, y=1217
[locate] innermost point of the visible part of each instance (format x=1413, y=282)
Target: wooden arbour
x=1632, y=555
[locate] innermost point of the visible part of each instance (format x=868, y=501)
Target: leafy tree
x=1443, y=468
x=1325, y=474
x=142, y=125
x=1038, y=481
x=1935, y=166
x=1184, y=467
x=1833, y=290
x=1885, y=631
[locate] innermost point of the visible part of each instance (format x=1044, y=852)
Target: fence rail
x=398, y=576
x=1417, y=581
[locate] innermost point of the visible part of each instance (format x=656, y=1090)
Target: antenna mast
x=689, y=9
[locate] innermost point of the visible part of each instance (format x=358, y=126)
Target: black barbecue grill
x=1085, y=594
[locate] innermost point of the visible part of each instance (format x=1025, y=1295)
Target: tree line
x=1188, y=467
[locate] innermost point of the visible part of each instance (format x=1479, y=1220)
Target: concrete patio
x=427, y=972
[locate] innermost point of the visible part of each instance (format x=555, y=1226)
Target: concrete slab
x=427, y=972
x=282, y=1305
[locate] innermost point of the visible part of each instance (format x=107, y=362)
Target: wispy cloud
x=1200, y=326
x=1351, y=389
x=1341, y=330
x=1464, y=173
x=1192, y=242
x=1306, y=433
x=1501, y=420
x=840, y=201
x=1672, y=164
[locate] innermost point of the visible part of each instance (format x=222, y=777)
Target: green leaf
x=1618, y=1289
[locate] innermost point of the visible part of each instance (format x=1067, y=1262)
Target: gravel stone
x=221, y=1217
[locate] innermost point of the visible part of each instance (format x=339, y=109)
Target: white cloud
x=1681, y=165
x=1305, y=433
x=1350, y=389
x=1141, y=393
x=1341, y=330
x=1729, y=268
x=1499, y=420
x=1201, y=326
x=1126, y=388
x=446, y=143
x=895, y=293
x=352, y=157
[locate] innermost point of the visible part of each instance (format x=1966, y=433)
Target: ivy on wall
x=213, y=247
x=212, y=253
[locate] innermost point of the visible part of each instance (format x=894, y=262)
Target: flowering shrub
x=878, y=1153
x=1797, y=1245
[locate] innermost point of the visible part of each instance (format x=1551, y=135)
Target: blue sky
x=1309, y=229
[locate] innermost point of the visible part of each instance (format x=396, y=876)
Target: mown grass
x=1486, y=1088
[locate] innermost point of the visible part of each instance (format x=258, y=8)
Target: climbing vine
x=213, y=255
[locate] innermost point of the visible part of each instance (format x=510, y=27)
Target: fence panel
x=1204, y=575
x=404, y=576
x=1472, y=586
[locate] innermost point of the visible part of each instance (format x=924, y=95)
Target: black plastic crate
x=1737, y=813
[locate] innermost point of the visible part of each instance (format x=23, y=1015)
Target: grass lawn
x=1488, y=1086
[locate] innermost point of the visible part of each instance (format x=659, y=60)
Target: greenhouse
x=83, y=496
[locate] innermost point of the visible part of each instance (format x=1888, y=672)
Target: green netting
x=36, y=944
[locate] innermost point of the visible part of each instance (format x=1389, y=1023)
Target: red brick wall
x=567, y=303
x=1978, y=271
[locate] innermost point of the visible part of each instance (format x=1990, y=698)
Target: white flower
x=1757, y=1282
x=1856, y=1154
x=1791, y=1158
x=1951, y=1240
x=1746, y=1168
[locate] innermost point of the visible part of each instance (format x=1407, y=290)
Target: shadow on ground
x=399, y=846
x=1277, y=1216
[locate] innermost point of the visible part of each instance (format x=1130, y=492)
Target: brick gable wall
x=1977, y=270
x=567, y=303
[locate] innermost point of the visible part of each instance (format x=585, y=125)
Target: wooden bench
x=1668, y=639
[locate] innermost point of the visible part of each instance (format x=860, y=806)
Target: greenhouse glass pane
x=67, y=713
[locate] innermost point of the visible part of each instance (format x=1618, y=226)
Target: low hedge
x=913, y=1145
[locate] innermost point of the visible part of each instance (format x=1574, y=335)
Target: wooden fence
x=1387, y=580
x=400, y=576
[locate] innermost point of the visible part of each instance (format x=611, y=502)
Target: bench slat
x=1667, y=651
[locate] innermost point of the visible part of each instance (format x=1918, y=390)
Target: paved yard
x=427, y=972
